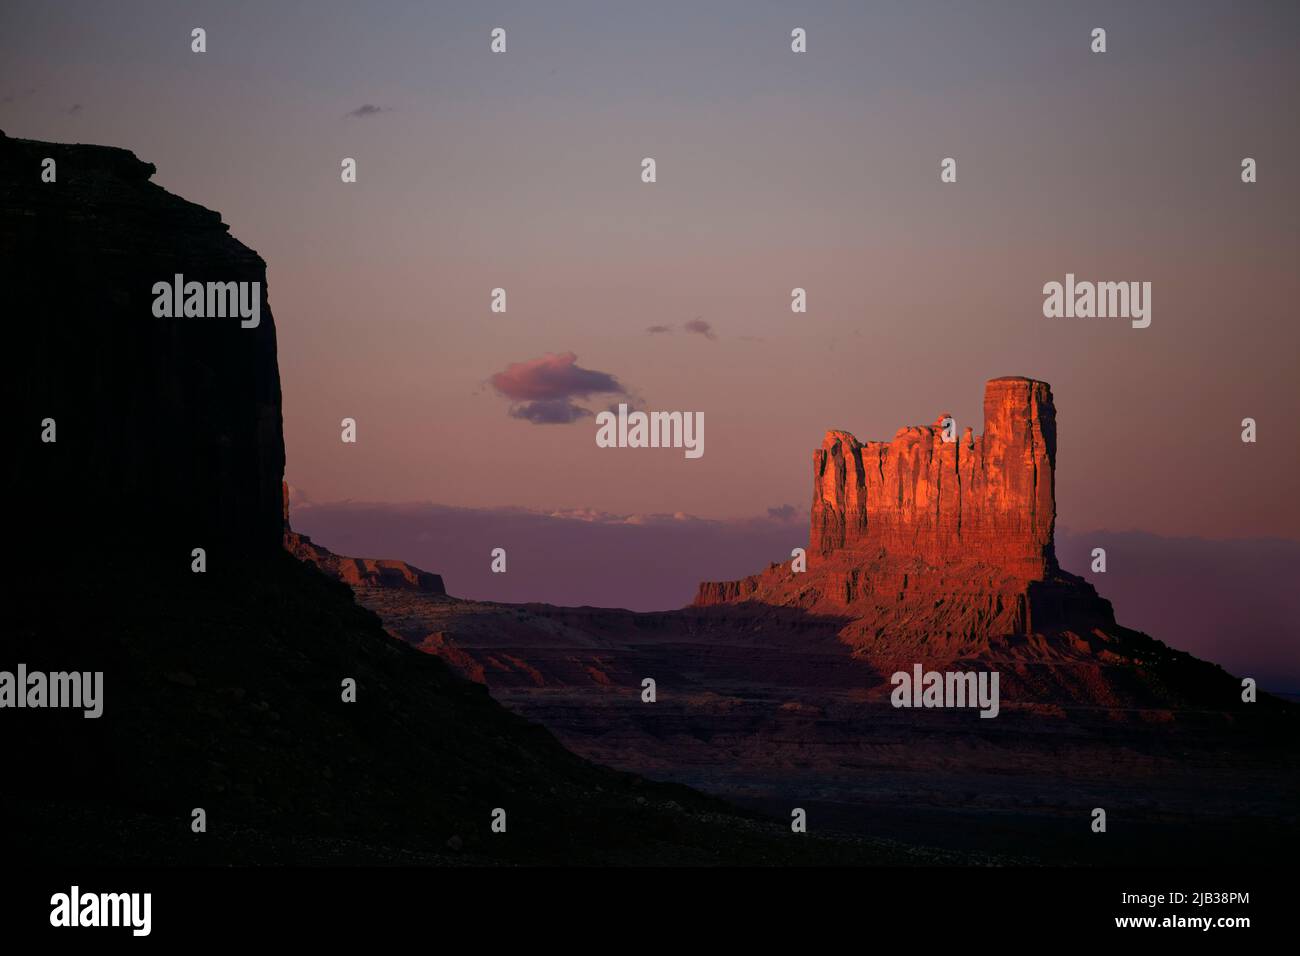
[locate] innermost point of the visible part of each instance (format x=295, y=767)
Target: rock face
x=168, y=431
x=987, y=499
x=920, y=538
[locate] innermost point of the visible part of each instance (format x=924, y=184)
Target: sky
x=775, y=170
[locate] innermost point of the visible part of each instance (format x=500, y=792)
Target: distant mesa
x=366, y=572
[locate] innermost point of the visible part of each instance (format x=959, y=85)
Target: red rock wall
x=987, y=499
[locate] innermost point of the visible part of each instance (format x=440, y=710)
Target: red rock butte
x=934, y=534
x=987, y=499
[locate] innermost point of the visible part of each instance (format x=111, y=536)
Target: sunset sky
x=775, y=170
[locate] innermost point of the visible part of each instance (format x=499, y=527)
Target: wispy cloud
x=369, y=109
x=696, y=326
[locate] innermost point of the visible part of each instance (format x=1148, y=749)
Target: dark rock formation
x=168, y=429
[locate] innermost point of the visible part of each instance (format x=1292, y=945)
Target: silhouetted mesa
x=168, y=429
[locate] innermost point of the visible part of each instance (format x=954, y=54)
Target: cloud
x=554, y=375
x=696, y=326
x=369, y=109
x=543, y=389
x=74, y=108
x=550, y=411
x=700, y=327
x=595, y=516
x=783, y=513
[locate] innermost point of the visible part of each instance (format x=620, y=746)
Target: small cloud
x=783, y=513
x=658, y=329
x=698, y=326
x=553, y=376
x=74, y=108
x=543, y=389
x=550, y=411
x=369, y=109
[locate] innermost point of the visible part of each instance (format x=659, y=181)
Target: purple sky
x=775, y=170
